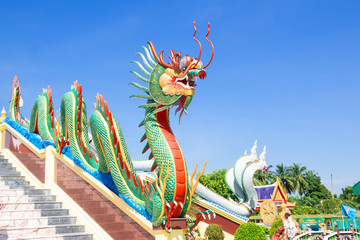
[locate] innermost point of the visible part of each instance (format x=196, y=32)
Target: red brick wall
x=114, y=221
x=33, y=163
x=226, y=224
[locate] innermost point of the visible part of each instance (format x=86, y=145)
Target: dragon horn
x=212, y=45
x=159, y=59
x=199, y=45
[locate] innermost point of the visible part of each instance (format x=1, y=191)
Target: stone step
x=37, y=232
x=5, y=165
x=27, y=198
x=9, y=173
x=29, y=206
x=12, y=178
x=35, y=222
x=61, y=220
x=8, y=168
x=29, y=213
x=22, y=183
x=21, y=187
x=19, y=192
x=25, y=214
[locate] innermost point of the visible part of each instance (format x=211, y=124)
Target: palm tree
x=264, y=178
x=283, y=173
x=297, y=174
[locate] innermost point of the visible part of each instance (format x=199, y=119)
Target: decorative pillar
x=3, y=115
x=2, y=130
x=50, y=167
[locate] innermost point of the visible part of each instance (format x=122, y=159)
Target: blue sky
x=284, y=72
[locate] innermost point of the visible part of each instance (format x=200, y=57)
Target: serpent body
x=170, y=195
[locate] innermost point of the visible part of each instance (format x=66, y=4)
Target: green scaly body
x=111, y=150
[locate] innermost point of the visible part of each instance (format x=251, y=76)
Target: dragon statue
x=168, y=84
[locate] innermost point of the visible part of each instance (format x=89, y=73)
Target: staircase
x=29, y=213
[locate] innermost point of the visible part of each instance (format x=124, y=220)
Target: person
x=323, y=229
x=291, y=226
x=337, y=231
x=278, y=233
x=352, y=230
x=308, y=229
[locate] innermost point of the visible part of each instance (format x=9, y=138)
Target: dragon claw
x=201, y=216
x=169, y=211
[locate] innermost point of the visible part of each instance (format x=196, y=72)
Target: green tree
x=214, y=232
x=315, y=189
x=278, y=223
x=283, y=173
x=349, y=198
x=264, y=178
x=250, y=231
x=297, y=174
x=306, y=210
x=331, y=206
x=216, y=182
x=314, y=194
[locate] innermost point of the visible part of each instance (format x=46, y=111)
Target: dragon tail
x=42, y=116
x=14, y=110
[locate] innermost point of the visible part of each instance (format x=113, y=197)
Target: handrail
x=327, y=237
x=307, y=234
x=301, y=235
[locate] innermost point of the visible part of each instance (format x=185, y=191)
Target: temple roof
x=265, y=192
x=274, y=192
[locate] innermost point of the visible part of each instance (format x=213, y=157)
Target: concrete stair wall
x=29, y=213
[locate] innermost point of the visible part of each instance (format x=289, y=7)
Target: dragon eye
x=183, y=64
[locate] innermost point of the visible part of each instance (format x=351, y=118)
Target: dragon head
x=173, y=83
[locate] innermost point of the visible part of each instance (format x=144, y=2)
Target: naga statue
x=168, y=84
x=239, y=179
